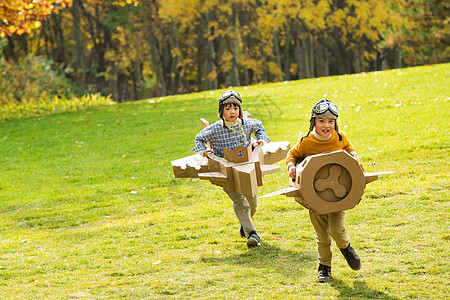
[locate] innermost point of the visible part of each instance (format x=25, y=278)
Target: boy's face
x=230, y=112
x=324, y=127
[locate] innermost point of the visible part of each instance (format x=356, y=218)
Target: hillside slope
x=90, y=209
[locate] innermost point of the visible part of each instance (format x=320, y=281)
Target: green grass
x=89, y=208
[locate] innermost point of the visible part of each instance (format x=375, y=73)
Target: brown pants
x=329, y=226
x=244, y=208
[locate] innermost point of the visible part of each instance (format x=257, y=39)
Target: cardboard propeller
x=328, y=182
x=240, y=170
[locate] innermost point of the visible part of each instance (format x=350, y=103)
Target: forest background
x=131, y=50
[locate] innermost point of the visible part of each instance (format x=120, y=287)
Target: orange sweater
x=311, y=146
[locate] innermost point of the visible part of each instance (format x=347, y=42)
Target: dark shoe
x=352, y=258
x=254, y=240
x=324, y=273
x=241, y=232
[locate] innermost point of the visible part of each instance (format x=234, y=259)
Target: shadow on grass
x=295, y=264
x=289, y=263
x=360, y=290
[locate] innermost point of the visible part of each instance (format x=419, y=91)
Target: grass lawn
x=89, y=208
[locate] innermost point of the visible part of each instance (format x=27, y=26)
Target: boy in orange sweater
x=326, y=137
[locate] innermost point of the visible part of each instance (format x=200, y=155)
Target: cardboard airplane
x=240, y=170
x=328, y=182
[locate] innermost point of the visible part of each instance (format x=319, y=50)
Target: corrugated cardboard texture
x=190, y=166
x=330, y=182
x=275, y=151
x=238, y=154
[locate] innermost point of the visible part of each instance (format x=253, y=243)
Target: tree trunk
x=209, y=73
x=397, y=58
x=9, y=50
x=321, y=60
x=78, y=64
x=101, y=38
x=310, y=50
x=287, y=56
x=276, y=50
x=233, y=47
x=302, y=52
x=234, y=70
x=357, y=61
x=157, y=64
x=343, y=57
x=137, y=79
x=176, y=69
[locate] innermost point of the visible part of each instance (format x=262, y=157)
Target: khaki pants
x=329, y=226
x=244, y=208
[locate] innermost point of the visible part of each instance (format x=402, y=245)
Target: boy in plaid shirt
x=232, y=131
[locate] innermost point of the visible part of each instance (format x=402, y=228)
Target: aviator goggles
x=323, y=106
x=228, y=94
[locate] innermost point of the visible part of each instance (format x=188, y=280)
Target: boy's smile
x=324, y=127
x=231, y=113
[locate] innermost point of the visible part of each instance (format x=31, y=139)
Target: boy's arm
x=260, y=133
x=293, y=155
x=349, y=147
x=201, y=141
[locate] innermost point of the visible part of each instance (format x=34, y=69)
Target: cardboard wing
x=190, y=166
x=291, y=191
x=369, y=177
x=275, y=151
x=240, y=170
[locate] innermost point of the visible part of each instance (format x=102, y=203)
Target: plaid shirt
x=219, y=136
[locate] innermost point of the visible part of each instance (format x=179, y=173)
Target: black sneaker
x=253, y=240
x=352, y=258
x=324, y=273
x=241, y=231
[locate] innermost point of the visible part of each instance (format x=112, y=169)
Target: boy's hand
x=292, y=171
x=259, y=142
x=206, y=152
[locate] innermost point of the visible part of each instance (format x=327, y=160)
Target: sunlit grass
x=50, y=105
x=90, y=209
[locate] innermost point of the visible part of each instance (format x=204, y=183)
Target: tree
x=428, y=39
x=132, y=49
x=23, y=16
